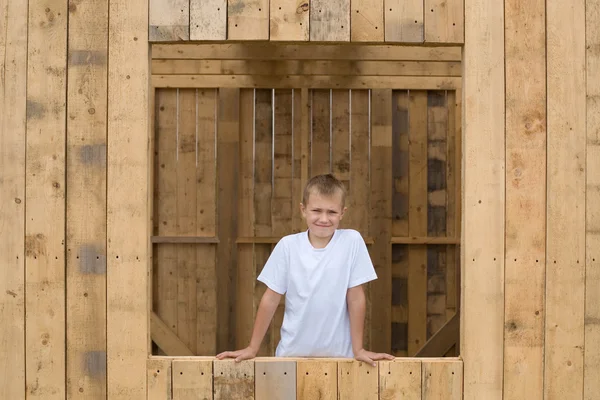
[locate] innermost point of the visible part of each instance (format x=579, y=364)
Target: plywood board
x=482, y=304
x=127, y=196
x=367, y=21
x=86, y=200
x=525, y=199
x=248, y=19
x=233, y=381
x=208, y=19
x=357, y=380
x=289, y=20
x=404, y=21
x=169, y=20
x=275, y=380
x=45, y=201
x=159, y=377
x=565, y=229
x=317, y=380
x=330, y=20
x=444, y=21
x=442, y=379
x=192, y=379
x=400, y=379
x=13, y=89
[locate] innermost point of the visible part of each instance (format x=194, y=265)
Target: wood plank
x=13, y=100
x=275, y=380
x=248, y=19
x=320, y=132
x=159, y=373
x=192, y=379
x=317, y=380
x=330, y=21
x=417, y=221
x=169, y=20
x=184, y=239
x=261, y=255
x=305, y=98
x=404, y=21
x=366, y=20
x=400, y=379
x=442, y=340
x=482, y=322
x=440, y=240
x=246, y=275
x=289, y=20
x=313, y=81
x=270, y=51
x=45, y=201
x=86, y=200
x=263, y=162
x=298, y=223
x=591, y=389
x=453, y=170
x=381, y=221
x=566, y=219
x=227, y=177
x=441, y=379
x=357, y=380
x=281, y=212
x=444, y=21
x=166, y=338
x=340, y=138
x=233, y=381
x=525, y=199
x=306, y=67
x=208, y=19
x=127, y=185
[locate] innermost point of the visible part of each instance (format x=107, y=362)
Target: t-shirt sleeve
x=275, y=271
x=362, y=270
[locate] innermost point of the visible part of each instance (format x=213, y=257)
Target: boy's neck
x=317, y=242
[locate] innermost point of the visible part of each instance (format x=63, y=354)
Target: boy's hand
x=369, y=357
x=239, y=355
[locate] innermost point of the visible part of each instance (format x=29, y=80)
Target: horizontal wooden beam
x=275, y=240
x=311, y=81
x=306, y=67
x=184, y=239
x=277, y=51
x=166, y=339
x=424, y=240
x=442, y=340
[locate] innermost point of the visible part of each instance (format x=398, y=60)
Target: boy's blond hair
x=326, y=185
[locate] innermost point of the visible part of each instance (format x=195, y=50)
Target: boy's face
x=323, y=213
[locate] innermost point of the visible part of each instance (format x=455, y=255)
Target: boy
x=321, y=272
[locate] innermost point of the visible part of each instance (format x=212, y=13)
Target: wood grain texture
x=192, y=380
x=159, y=377
x=444, y=21
x=357, y=381
x=208, y=19
x=275, y=380
x=320, y=132
x=317, y=380
x=233, y=381
x=330, y=20
x=404, y=21
x=169, y=20
x=366, y=21
x=289, y=20
x=441, y=380
x=400, y=379
x=248, y=19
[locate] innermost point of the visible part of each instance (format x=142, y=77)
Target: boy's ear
x=343, y=212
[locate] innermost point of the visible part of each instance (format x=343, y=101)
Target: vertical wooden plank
x=482, y=302
x=169, y=20
x=45, y=200
x=192, y=379
x=381, y=223
x=263, y=163
x=592, y=271
x=320, y=134
x=317, y=380
x=453, y=170
x=306, y=99
x=297, y=183
x=228, y=134
x=246, y=275
x=86, y=200
x=444, y=21
x=404, y=21
x=442, y=379
x=127, y=186
x=400, y=379
x=330, y=20
x=275, y=380
x=281, y=214
x=525, y=199
x=366, y=17
x=13, y=94
x=206, y=220
x=159, y=376
x=565, y=252
x=233, y=381
x=340, y=137
x=289, y=20
x=417, y=217
x=248, y=19
x=208, y=19
x=357, y=380
x=261, y=255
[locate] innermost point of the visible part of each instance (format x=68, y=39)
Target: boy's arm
x=264, y=315
x=355, y=298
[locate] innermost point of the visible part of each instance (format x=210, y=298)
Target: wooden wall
x=531, y=257
x=73, y=195
x=400, y=21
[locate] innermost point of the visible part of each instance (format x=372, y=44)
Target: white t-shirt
x=316, y=322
